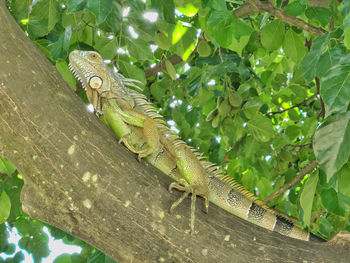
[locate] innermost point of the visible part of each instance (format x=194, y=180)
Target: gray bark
x=79, y=179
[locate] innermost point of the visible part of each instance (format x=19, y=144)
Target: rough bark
x=79, y=179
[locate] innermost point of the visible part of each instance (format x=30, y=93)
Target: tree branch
x=265, y=6
x=292, y=183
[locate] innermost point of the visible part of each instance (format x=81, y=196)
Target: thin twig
x=290, y=218
x=29, y=3
x=323, y=108
x=294, y=106
x=318, y=215
x=297, y=145
x=292, y=183
x=158, y=68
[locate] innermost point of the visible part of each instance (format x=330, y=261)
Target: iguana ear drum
x=95, y=82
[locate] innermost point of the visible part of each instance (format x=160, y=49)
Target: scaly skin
x=133, y=119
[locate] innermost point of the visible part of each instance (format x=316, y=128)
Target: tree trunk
x=79, y=179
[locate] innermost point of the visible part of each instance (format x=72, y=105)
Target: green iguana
x=138, y=125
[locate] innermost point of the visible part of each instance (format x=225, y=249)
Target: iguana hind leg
x=193, y=181
x=183, y=186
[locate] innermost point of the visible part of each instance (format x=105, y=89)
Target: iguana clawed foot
x=183, y=186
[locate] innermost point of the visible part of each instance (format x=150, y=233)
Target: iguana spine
x=127, y=113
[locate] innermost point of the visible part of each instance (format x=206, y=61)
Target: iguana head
x=89, y=68
x=101, y=83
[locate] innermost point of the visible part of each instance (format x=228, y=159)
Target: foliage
x=261, y=97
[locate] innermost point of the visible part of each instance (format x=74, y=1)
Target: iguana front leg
x=115, y=122
x=123, y=118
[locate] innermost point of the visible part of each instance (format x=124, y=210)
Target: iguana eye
x=95, y=82
x=93, y=56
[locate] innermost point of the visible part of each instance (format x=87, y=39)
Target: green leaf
x=75, y=5
x=252, y=107
x=139, y=49
x=240, y=29
x=295, y=8
x=13, y=189
x=5, y=207
x=53, y=13
x=33, y=239
x=165, y=9
x=189, y=9
x=294, y=46
x=107, y=47
x=114, y=19
x=185, y=41
x=225, y=26
x=97, y=257
x=44, y=46
x=261, y=128
x=222, y=69
x=292, y=131
x=239, y=45
x=157, y=91
x=11, y=248
x=321, y=14
x=265, y=187
x=309, y=127
x=328, y=59
x=37, y=28
x=67, y=75
x=48, y=11
x=72, y=19
x=162, y=41
x=19, y=9
x=63, y=258
x=332, y=143
x=272, y=35
x=60, y=47
x=203, y=49
x=6, y=167
x=217, y=4
x=347, y=37
x=326, y=227
x=133, y=72
x=249, y=180
x=100, y=8
x=310, y=60
x=219, y=24
x=170, y=69
x=344, y=181
x=307, y=197
x=329, y=199
x=335, y=90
